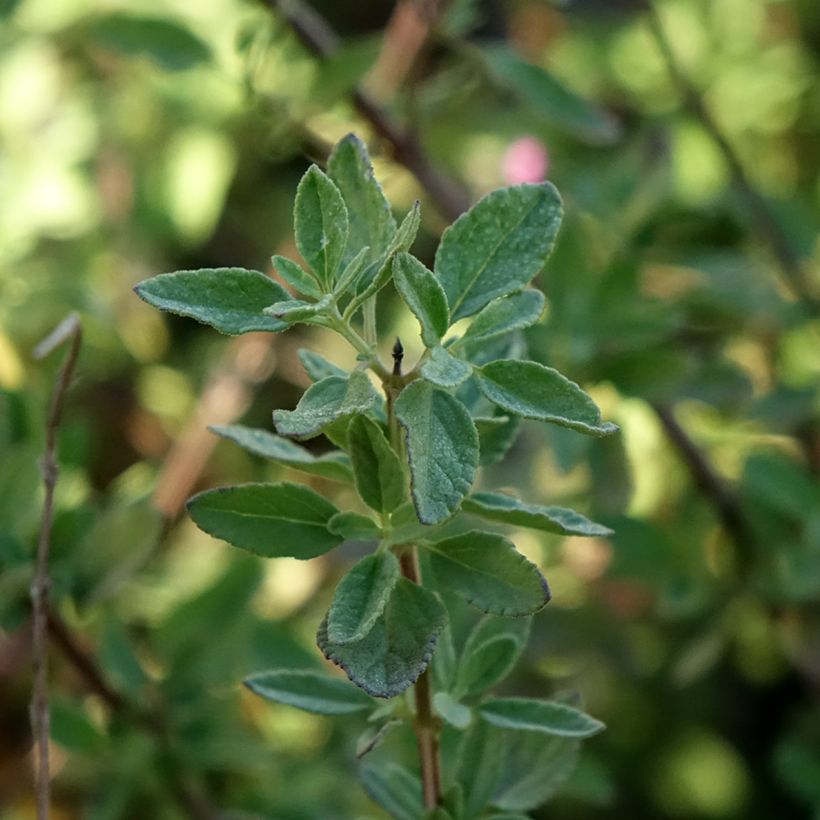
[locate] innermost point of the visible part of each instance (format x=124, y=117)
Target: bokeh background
x=142, y=137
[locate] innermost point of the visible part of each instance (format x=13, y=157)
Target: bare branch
x=69, y=330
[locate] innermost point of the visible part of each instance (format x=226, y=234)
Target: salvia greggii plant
x=412, y=450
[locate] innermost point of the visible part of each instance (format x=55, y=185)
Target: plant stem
x=426, y=725
x=68, y=329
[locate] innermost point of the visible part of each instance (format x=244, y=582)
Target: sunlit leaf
x=311, y=691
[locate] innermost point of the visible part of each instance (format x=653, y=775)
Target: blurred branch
x=317, y=36
x=791, y=269
x=187, y=795
x=712, y=487
x=69, y=330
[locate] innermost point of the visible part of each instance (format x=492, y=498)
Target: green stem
x=358, y=343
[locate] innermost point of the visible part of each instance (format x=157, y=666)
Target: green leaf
x=455, y=713
x=444, y=369
x=526, y=714
x=486, y=665
x=496, y=434
x=423, y=295
x=371, y=221
x=479, y=760
x=273, y=520
x=169, y=44
x=535, y=767
x=361, y=597
x=396, y=790
x=320, y=222
x=373, y=736
x=442, y=447
x=353, y=270
x=445, y=661
x=511, y=510
x=498, y=246
x=72, y=728
x=407, y=230
x=377, y=470
x=513, y=312
x=534, y=391
x=398, y=646
x=232, y=300
x=298, y=279
x=354, y=526
x=324, y=402
x=487, y=571
x=406, y=527
x=294, y=311
x=335, y=465
x=547, y=96
x=318, y=367
x=310, y=691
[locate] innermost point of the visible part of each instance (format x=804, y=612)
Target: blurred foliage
x=142, y=137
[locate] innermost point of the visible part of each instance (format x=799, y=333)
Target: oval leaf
x=487, y=571
x=486, y=665
x=498, y=246
x=395, y=790
x=320, y=223
x=377, y=469
x=354, y=526
x=299, y=280
x=513, y=312
x=444, y=369
x=534, y=391
x=511, y=510
x=423, y=295
x=232, y=300
x=526, y=714
x=442, y=446
x=455, y=713
x=334, y=465
x=272, y=520
x=310, y=691
x=325, y=402
x=361, y=597
x=398, y=646
x=371, y=221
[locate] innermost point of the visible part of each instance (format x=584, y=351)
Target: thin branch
x=712, y=487
x=68, y=330
x=789, y=264
x=447, y=196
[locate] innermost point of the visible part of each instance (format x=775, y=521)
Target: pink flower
x=525, y=160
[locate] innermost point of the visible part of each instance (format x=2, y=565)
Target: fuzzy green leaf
x=325, y=402
x=486, y=665
x=272, y=520
x=397, y=648
x=442, y=446
x=335, y=465
x=406, y=527
x=513, y=312
x=479, y=761
x=455, y=713
x=352, y=271
x=526, y=714
x=371, y=221
x=361, y=597
x=498, y=246
x=310, y=691
x=423, y=295
x=396, y=790
x=232, y=300
x=320, y=223
x=444, y=369
x=377, y=469
x=534, y=391
x=353, y=526
x=294, y=311
x=318, y=367
x=487, y=571
x=496, y=434
x=298, y=279
x=511, y=510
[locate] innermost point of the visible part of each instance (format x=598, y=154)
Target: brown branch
x=446, y=195
x=712, y=487
x=68, y=330
x=791, y=270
